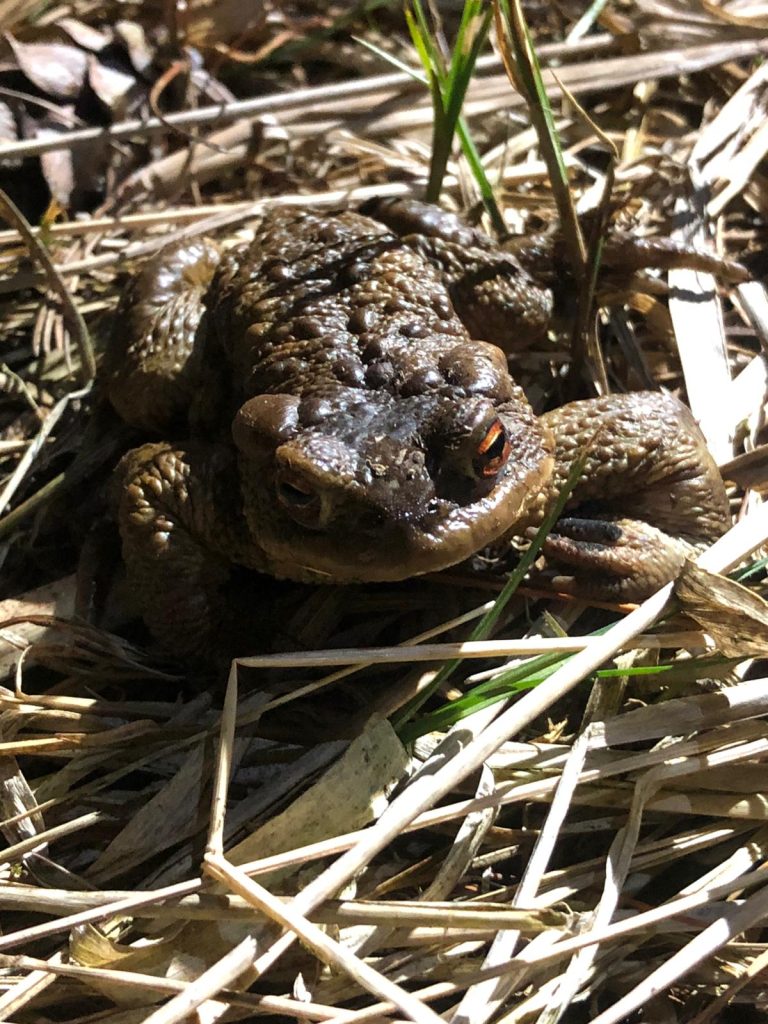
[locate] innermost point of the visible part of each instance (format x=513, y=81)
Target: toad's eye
x=492, y=451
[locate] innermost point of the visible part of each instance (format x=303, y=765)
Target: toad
x=333, y=404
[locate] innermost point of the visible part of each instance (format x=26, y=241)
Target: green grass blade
x=523, y=68
x=417, y=76
x=459, y=74
x=475, y=163
x=466, y=37
x=419, y=41
x=515, y=578
x=535, y=671
x=462, y=69
x=448, y=87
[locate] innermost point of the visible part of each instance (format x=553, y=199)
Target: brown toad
x=344, y=424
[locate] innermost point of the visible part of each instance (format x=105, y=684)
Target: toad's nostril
x=294, y=496
x=301, y=500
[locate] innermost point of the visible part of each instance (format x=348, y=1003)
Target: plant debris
x=568, y=822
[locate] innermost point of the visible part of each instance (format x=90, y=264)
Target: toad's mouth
x=395, y=549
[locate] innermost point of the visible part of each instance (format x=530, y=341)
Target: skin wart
x=342, y=422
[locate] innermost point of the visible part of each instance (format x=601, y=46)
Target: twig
x=426, y=791
x=24, y=464
x=71, y=313
x=321, y=944
x=465, y=649
x=257, y=106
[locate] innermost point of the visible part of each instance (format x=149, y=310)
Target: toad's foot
x=177, y=512
x=649, y=497
x=612, y=559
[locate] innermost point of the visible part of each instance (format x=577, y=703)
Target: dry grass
x=577, y=826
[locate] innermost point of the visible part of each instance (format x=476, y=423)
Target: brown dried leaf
x=370, y=767
x=55, y=68
x=56, y=598
x=134, y=39
x=749, y=469
x=8, y=130
x=90, y=947
x=86, y=36
x=734, y=616
x=16, y=797
x=58, y=169
x=160, y=823
x=683, y=22
x=15, y=12
x=109, y=84
x=221, y=21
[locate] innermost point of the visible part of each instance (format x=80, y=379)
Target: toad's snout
x=321, y=481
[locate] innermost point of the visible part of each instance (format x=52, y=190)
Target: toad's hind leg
x=623, y=254
x=650, y=495
x=494, y=297
x=152, y=364
x=177, y=510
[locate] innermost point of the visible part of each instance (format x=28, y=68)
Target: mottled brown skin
x=345, y=426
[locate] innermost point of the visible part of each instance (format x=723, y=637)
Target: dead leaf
x=55, y=68
x=350, y=794
x=86, y=36
x=110, y=85
x=162, y=822
x=134, y=39
x=221, y=21
x=15, y=12
x=89, y=946
x=8, y=130
x=56, y=598
x=16, y=797
x=734, y=616
x=58, y=169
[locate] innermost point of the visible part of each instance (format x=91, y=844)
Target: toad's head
x=347, y=485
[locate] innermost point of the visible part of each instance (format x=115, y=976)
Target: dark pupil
x=294, y=496
x=496, y=449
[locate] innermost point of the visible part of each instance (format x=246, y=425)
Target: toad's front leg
x=177, y=510
x=650, y=495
